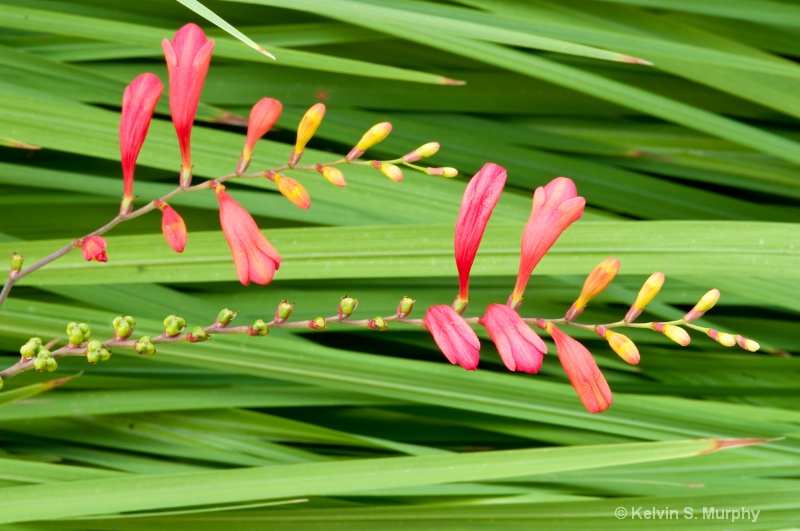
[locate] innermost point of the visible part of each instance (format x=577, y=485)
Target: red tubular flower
x=262, y=117
x=94, y=248
x=555, y=207
x=517, y=343
x=138, y=104
x=582, y=371
x=188, y=56
x=173, y=227
x=480, y=198
x=455, y=338
x=254, y=257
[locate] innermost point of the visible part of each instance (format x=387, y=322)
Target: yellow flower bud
x=623, y=346
x=595, y=283
x=442, y=172
x=675, y=333
x=334, y=175
x=308, y=126
x=293, y=191
x=648, y=292
x=389, y=170
x=377, y=133
x=706, y=303
x=747, y=344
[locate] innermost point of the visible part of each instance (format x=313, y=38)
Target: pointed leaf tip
x=726, y=444
x=450, y=81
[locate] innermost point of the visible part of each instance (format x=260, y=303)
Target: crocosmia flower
x=138, y=104
x=555, y=207
x=480, y=198
x=263, y=116
x=188, y=56
x=453, y=335
x=518, y=345
x=94, y=248
x=173, y=227
x=255, y=258
x=582, y=371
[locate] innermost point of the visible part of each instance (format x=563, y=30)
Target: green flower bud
x=318, y=323
x=77, y=333
x=225, y=316
x=259, y=328
x=31, y=348
x=173, y=325
x=284, y=311
x=44, y=361
x=123, y=326
x=346, y=306
x=405, y=307
x=198, y=335
x=16, y=266
x=377, y=324
x=145, y=346
x=96, y=351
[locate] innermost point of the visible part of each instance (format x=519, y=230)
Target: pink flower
x=188, y=57
x=455, y=338
x=517, y=343
x=582, y=371
x=138, y=104
x=254, y=257
x=262, y=117
x=173, y=227
x=479, y=200
x=94, y=248
x=555, y=207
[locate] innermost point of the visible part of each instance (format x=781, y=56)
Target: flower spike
x=455, y=338
x=255, y=258
x=519, y=346
x=555, y=207
x=138, y=105
x=262, y=117
x=188, y=56
x=480, y=198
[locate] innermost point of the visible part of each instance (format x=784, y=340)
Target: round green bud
x=225, y=316
x=16, y=262
x=347, y=306
x=405, y=306
x=318, y=323
x=145, y=346
x=96, y=351
x=284, y=311
x=51, y=365
x=198, y=335
x=377, y=324
x=173, y=325
x=31, y=348
x=43, y=361
x=123, y=326
x=77, y=333
x=259, y=328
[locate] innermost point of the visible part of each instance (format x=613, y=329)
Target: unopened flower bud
x=173, y=227
x=225, y=316
x=675, y=333
x=263, y=116
x=318, y=323
x=145, y=346
x=747, y=344
x=173, y=325
x=620, y=343
x=706, y=303
x=284, y=311
x=198, y=335
x=259, y=328
x=16, y=267
x=347, y=306
x=722, y=338
x=96, y=352
x=648, y=292
x=422, y=152
x=31, y=348
x=44, y=361
x=377, y=133
x=389, y=170
x=308, y=126
x=459, y=305
x=123, y=326
x=405, y=307
x=442, y=172
x=334, y=175
x=293, y=191
x=595, y=283
x=77, y=333
x=377, y=324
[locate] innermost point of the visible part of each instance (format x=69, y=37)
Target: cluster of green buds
x=123, y=327
x=43, y=358
x=78, y=334
x=96, y=351
x=174, y=325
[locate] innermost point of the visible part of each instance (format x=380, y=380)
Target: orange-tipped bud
x=292, y=190
x=675, y=333
x=619, y=343
x=422, y=152
x=648, y=292
x=308, y=126
x=173, y=227
x=389, y=170
x=706, y=303
x=596, y=282
x=334, y=175
x=262, y=117
x=442, y=172
x=376, y=134
x=722, y=338
x=747, y=344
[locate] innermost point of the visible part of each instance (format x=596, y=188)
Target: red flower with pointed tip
x=255, y=258
x=173, y=227
x=455, y=338
x=262, y=117
x=582, y=371
x=138, y=104
x=94, y=248
x=480, y=198
x=188, y=56
x=518, y=345
x=555, y=207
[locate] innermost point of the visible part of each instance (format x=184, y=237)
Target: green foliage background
x=688, y=166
